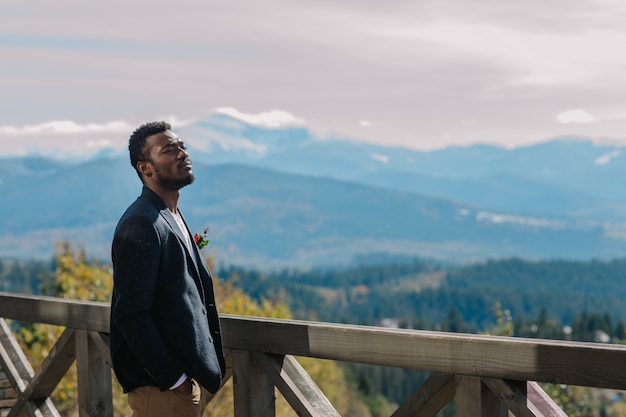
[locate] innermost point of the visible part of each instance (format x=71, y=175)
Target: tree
x=504, y=321
x=78, y=278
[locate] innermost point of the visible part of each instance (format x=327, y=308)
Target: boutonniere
x=201, y=239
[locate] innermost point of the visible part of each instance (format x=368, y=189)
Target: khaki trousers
x=152, y=402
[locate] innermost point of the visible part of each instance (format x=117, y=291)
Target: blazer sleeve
x=136, y=252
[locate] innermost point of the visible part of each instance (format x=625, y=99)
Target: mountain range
x=277, y=197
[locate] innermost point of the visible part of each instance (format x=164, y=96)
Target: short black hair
x=137, y=142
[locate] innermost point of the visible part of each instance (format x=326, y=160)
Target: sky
x=423, y=74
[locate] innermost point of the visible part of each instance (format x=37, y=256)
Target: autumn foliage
x=78, y=277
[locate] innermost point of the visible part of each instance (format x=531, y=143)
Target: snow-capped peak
x=270, y=119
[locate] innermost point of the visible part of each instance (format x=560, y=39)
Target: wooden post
x=468, y=396
x=95, y=397
x=253, y=390
x=493, y=406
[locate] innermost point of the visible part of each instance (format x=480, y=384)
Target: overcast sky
x=420, y=73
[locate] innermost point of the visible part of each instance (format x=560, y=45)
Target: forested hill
x=417, y=291
x=414, y=292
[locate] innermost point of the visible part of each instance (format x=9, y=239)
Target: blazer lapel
x=192, y=253
x=171, y=221
x=196, y=255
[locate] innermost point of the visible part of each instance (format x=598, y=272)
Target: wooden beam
x=575, y=363
x=54, y=367
x=15, y=364
x=493, y=406
x=22, y=377
x=253, y=390
x=44, y=381
x=296, y=385
x=525, y=399
x=95, y=396
x=101, y=342
x=37, y=409
x=510, y=394
x=541, y=402
x=429, y=398
x=468, y=396
x=80, y=315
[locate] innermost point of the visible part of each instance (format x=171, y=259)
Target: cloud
x=99, y=143
x=548, y=57
x=575, y=116
x=421, y=67
x=63, y=138
x=64, y=127
x=272, y=119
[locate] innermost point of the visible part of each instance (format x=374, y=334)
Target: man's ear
x=144, y=168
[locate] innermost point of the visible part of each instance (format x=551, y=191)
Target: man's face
x=168, y=157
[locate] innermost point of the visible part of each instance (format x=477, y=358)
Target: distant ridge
x=283, y=196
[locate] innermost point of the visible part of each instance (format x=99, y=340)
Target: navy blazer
x=163, y=316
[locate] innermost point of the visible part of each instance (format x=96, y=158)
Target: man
x=165, y=337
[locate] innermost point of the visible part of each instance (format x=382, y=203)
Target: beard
x=174, y=183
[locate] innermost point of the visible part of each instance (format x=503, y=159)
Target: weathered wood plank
x=15, y=364
x=80, y=315
x=541, y=402
x=35, y=397
x=271, y=336
x=429, y=398
x=253, y=390
x=510, y=395
x=37, y=409
x=302, y=394
x=493, y=406
x=575, y=363
x=525, y=399
x=95, y=396
x=7, y=402
x=21, y=374
x=101, y=342
x=53, y=367
x=468, y=396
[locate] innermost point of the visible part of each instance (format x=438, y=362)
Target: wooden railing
x=484, y=375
